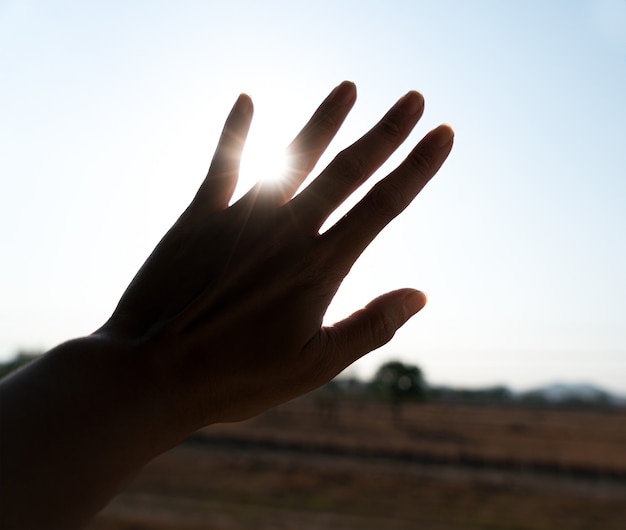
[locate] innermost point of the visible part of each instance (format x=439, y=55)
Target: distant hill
x=563, y=393
x=553, y=394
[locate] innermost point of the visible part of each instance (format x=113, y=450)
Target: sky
x=110, y=111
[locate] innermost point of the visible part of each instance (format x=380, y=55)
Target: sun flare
x=265, y=155
x=265, y=159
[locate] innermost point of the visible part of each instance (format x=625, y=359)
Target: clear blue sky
x=109, y=113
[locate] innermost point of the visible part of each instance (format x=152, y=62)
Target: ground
x=352, y=464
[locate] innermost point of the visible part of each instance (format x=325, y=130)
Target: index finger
x=311, y=142
x=307, y=147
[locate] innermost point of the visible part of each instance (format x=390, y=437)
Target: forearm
x=76, y=425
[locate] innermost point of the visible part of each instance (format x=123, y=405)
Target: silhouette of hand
x=226, y=313
x=223, y=321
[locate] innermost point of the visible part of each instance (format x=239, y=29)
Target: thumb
x=369, y=328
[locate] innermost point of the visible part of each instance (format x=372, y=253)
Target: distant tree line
x=398, y=383
x=20, y=359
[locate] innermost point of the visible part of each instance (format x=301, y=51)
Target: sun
x=265, y=155
x=264, y=160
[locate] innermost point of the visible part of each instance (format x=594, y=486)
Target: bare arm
x=222, y=322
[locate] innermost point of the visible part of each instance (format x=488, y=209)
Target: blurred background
x=109, y=114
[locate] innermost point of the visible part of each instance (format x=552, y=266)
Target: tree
x=21, y=358
x=398, y=383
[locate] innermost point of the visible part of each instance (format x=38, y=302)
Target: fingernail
x=442, y=135
x=343, y=93
x=244, y=102
x=411, y=103
x=413, y=302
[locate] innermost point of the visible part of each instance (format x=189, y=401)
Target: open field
x=307, y=465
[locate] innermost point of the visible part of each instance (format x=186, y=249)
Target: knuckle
x=387, y=200
x=382, y=329
x=390, y=127
x=318, y=361
x=420, y=162
x=348, y=167
x=326, y=120
x=322, y=276
x=313, y=272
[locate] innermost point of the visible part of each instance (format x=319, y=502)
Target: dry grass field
x=307, y=466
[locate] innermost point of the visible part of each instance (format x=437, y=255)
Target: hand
x=229, y=306
x=223, y=321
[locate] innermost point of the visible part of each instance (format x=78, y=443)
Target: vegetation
x=22, y=358
x=399, y=383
